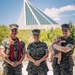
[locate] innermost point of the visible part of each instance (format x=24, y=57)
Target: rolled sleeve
x=46, y=50
x=28, y=48
x=2, y=47
x=70, y=45
x=28, y=51
x=3, y=44
x=23, y=46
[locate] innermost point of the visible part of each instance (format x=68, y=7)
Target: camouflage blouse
x=37, y=50
x=6, y=47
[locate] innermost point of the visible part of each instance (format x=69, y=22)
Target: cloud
x=57, y=13
x=73, y=14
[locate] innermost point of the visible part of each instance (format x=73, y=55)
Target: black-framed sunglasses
x=13, y=30
x=65, y=30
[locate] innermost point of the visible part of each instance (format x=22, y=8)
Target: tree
x=72, y=27
x=3, y=32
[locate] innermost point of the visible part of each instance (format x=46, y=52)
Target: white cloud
x=56, y=18
x=56, y=13
x=73, y=14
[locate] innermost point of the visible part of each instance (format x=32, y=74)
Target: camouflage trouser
x=9, y=70
x=37, y=73
x=65, y=69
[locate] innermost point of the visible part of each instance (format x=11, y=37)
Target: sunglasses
x=65, y=30
x=14, y=30
x=58, y=38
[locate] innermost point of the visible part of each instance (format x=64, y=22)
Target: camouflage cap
x=65, y=26
x=36, y=32
x=13, y=26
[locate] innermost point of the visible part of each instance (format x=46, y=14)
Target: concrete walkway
x=50, y=72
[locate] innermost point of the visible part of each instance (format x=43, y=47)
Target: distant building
x=31, y=18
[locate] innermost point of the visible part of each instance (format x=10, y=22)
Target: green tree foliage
x=49, y=35
x=3, y=32
x=72, y=27
x=46, y=35
x=24, y=35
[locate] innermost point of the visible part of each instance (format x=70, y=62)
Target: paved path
x=50, y=72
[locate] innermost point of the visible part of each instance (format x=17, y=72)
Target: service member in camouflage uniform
x=37, y=52
x=13, y=53
x=66, y=65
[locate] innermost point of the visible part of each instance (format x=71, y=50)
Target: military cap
x=65, y=26
x=36, y=32
x=13, y=26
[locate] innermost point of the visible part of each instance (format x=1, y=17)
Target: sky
x=62, y=11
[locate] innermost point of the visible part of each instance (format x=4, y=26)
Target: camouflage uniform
x=66, y=65
x=8, y=69
x=37, y=50
x=16, y=51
